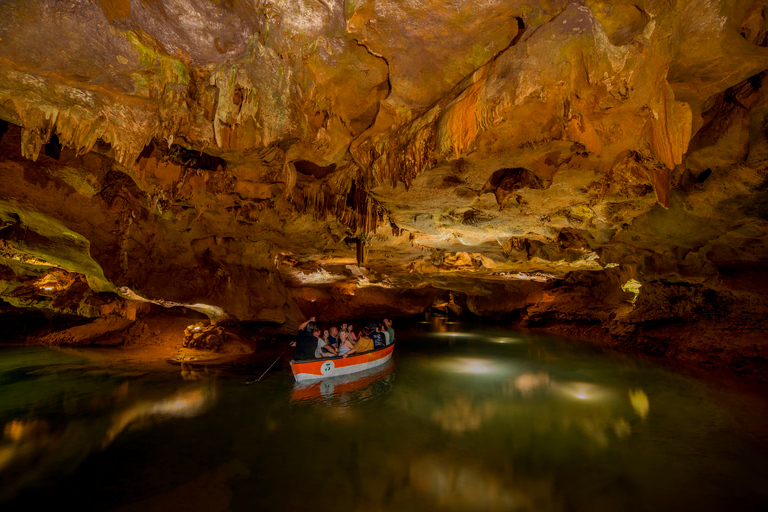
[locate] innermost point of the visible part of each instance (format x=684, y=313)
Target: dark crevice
x=102, y=147
x=53, y=147
x=147, y=151
x=196, y=159
x=514, y=179
x=520, y=32
x=3, y=127
x=701, y=178
x=725, y=108
x=312, y=169
x=351, y=195
x=756, y=81
x=472, y=217
x=184, y=157
x=117, y=185
x=507, y=181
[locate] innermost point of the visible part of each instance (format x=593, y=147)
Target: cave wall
x=518, y=160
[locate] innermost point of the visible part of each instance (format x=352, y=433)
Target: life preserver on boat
x=327, y=367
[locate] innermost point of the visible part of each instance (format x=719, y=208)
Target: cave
x=562, y=207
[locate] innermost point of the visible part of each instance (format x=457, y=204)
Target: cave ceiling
x=221, y=153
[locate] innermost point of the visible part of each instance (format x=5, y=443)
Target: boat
x=344, y=389
x=312, y=369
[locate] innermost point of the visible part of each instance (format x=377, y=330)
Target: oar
x=270, y=366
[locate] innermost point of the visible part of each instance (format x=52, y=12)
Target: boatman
x=306, y=341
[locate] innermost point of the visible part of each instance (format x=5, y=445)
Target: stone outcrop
x=521, y=160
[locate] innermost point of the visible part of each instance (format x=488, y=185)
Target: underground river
x=480, y=419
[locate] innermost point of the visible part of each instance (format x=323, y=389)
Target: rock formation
x=523, y=160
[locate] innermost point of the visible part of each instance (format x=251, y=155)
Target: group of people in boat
x=342, y=341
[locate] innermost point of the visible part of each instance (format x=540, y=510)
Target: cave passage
x=463, y=418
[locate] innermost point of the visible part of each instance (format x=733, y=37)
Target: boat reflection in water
x=345, y=389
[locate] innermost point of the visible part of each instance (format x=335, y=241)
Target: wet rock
x=204, y=337
x=528, y=158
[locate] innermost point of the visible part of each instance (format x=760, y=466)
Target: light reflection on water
x=56, y=410
x=488, y=420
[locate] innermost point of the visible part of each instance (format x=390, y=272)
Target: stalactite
x=408, y=156
x=125, y=128
x=669, y=130
x=445, y=131
x=360, y=252
x=366, y=153
x=343, y=195
x=460, y=122
x=396, y=230
x=37, y=126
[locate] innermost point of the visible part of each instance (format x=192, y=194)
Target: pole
x=270, y=366
x=281, y=355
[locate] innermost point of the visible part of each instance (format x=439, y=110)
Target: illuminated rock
x=520, y=160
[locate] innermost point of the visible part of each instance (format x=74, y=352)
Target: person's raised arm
x=302, y=326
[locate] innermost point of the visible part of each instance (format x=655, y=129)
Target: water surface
x=481, y=420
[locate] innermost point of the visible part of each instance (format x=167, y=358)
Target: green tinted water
x=487, y=420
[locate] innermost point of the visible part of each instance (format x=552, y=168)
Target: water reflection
x=460, y=423
x=460, y=414
x=195, y=372
x=184, y=403
x=455, y=485
x=32, y=448
x=442, y=328
x=527, y=383
x=345, y=390
x=640, y=402
x=211, y=491
x=24, y=439
x=472, y=365
x=483, y=394
x=583, y=391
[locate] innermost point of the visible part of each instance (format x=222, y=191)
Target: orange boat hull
x=355, y=387
x=336, y=366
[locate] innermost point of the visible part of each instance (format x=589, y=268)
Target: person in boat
x=324, y=349
x=390, y=330
x=345, y=344
x=333, y=337
x=306, y=341
x=351, y=331
x=379, y=341
x=364, y=344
